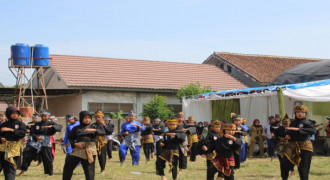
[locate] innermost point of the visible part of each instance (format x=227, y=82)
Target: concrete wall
x=135, y=98
x=67, y=104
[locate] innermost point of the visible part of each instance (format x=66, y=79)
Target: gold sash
x=192, y=138
x=167, y=155
x=100, y=142
x=11, y=149
x=294, y=150
x=87, y=153
x=147, y=139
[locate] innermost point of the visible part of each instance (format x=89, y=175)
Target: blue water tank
x=40, y=55
x=21, y=54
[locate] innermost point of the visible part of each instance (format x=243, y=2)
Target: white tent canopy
x=259, y=102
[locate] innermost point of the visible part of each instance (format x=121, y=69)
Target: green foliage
x=119, y=115
x=192, y=89
x=1, y=85
x=157, y=108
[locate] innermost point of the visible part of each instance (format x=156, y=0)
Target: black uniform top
x=106, y=128
x=19, y=130
x=173, y=144
x=306, y=128
x=275, y=124
x=148, y=130
x=241, y=128
x=181, y=126
x=78, y=135
x=225, y=147
x=199, y=130
x=111, y=127
x=280, y=132
x=37, y=129
x=210, y=140
x=31, y=123
x=160, y=128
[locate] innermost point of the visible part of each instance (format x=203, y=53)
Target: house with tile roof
x=111, y=84
x=254, y=70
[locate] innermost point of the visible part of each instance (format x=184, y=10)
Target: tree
x=192, y=89
x=157, y=108
x=1, y=85
x=119, y=115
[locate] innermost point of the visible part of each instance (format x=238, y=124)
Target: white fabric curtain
x=312, y=94
x=200, y=110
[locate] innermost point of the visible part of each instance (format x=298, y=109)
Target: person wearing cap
x=82, y=140
x=239, y=133
x=192, y=138
x=282, y=145
x=41, y=134
x=256, y=138
x=327, y=130
x=301, y=147
x=157, y=130
x=72, y=122
x=2, y=118
x=225, y=148
x=130, y=132
x=52, y=138
x=101, y=140
x=11, y=134
x=183, y=151
x=209, y=143
x=269, y=134
x=108, y=135
x=170, y=153
x=147, y=140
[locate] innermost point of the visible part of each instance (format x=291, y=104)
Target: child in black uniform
x=225, y=148
x=170, y=152
x=11, y=133
x=147, y=140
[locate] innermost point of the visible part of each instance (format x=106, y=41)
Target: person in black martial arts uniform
x=147, y=140
x=300, y=148
x=82, y=139
x=101, y=140
x=109, y=136
x=41, y=134
x=170, y=152
x=183, y=151
x=11, y=133
x=158, y=130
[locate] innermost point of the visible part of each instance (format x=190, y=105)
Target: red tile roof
x=3, y=106
x=128, y=73
x=262, y=67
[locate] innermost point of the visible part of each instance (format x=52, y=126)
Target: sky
x=165, y=30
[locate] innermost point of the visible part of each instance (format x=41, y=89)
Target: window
x=176, y=107
x=229, y=69
x=108, y=108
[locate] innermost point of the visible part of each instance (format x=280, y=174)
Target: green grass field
x=255, y=168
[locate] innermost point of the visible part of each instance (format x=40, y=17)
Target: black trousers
x=29, y=155
x=161, y=164
x=193, y=152
x=102, y=157
x=71, y=164
x=304, y=166
x=208, y=163
x=286, y=166
x=182, y=160
x=211, y=170
x=237, y=158
x=8, y=169
x=158, y=148
x=46, y=155
x=109, y=149
x=148, y=148
x=271, y=147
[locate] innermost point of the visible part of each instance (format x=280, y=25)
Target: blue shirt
x=127, y=126
x=68, y=131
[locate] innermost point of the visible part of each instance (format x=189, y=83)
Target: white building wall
x=135, y=98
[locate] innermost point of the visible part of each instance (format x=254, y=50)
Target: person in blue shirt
x=73, y=122
x=130, y=132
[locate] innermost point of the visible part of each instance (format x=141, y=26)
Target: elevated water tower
x=30, y=97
